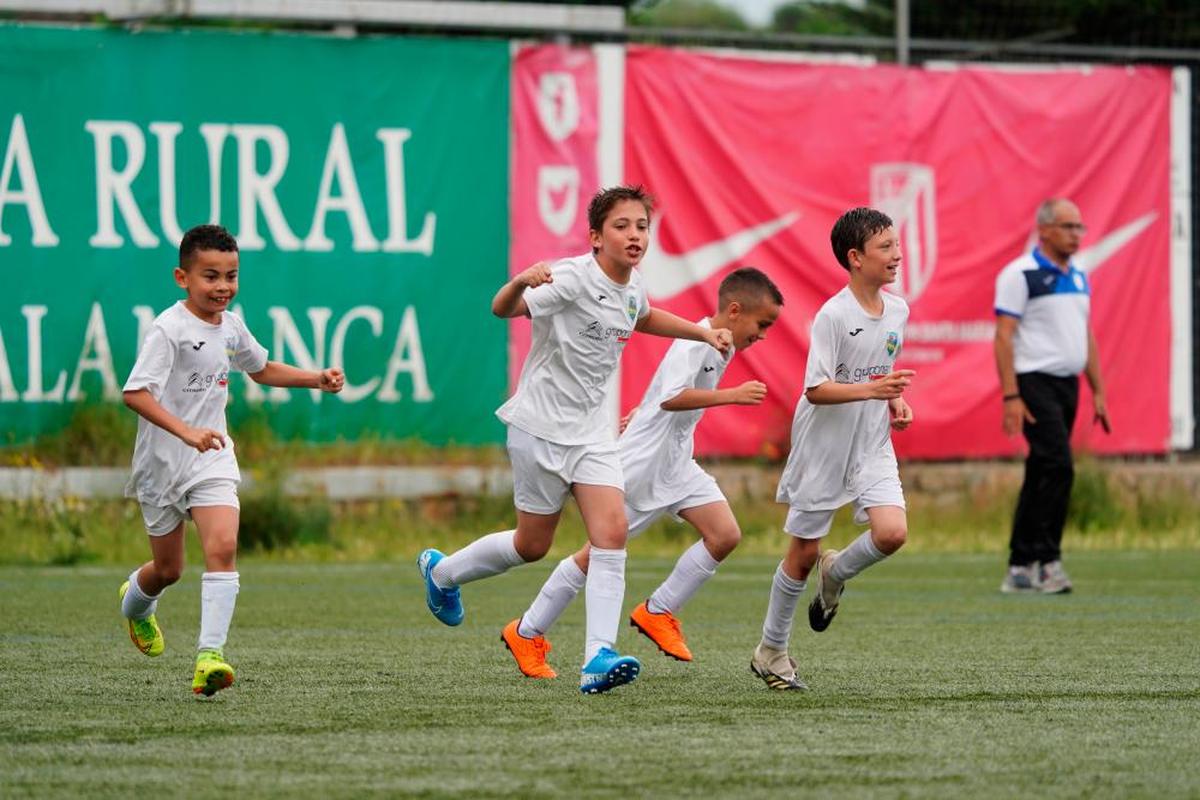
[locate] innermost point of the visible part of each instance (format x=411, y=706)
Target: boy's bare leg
x=139, y=594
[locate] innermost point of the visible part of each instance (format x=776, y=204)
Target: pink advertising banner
x=555, y=119
x=751, y=162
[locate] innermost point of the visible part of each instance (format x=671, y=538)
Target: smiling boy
x=183, y=461
x=841, y=443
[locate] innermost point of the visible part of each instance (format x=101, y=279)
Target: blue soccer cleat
x=607, y=670
x=445, y=604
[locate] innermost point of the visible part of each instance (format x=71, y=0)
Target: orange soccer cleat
x=663, y=629
x=530, y=654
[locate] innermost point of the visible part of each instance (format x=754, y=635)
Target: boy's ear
x=854, y=257
x=181, y=277
x=733, y=310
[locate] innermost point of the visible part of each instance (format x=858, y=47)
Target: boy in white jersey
x=662, y=477
x=183, y=461
x=841, y=439
x=562, y=422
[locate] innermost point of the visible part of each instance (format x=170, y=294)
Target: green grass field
x=929, y=684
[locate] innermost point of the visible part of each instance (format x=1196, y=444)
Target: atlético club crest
x=893, y=343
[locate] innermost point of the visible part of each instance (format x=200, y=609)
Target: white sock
x=693, y=568
x=605, y=593
x=556, y=594
x=136, y=604
x=486, y=556
x=218, y=594
x=781, y=610
x=861, y=554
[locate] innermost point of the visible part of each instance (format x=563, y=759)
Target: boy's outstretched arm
x=276, y=373
x=750, y=393
x=146, y=406
x=664, y=323
x=888, y=387
x=510, y=301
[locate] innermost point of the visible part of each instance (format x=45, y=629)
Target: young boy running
x=562, y=423
x=841, y=443
x=662, y=477
x=183, y=461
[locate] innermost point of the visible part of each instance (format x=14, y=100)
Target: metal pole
x=902, y=34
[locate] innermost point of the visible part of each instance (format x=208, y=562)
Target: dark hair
x=605, y=199
x=748, y=286
x=853, y=229
x=205, y=237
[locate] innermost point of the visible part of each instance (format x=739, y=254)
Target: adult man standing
x=1043, y=341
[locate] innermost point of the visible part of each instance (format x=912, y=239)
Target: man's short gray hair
x=1045, y=212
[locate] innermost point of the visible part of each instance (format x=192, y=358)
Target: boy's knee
x=722, y=542
x=532, y=551
x=890, y=538
x=168, y=573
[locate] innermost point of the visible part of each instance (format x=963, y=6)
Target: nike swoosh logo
x=1093, y=257
x=665, y=275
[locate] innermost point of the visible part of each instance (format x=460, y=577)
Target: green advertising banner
x=366, y=180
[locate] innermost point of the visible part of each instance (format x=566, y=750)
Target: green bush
x=1095, y=504
x=271, y=520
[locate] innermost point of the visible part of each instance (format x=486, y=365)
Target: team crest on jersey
x=632, y=308
x=893, y=343
x=230, y=346
x=841, y=374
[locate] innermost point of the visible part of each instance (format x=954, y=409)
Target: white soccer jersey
x=1052, y=307
x=657, y=447
x=184, y=364
x=839, y=451
x=581, y=323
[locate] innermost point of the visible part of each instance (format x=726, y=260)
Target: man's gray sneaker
x=1021, y=580
x=829, y=592
x=777, y=669
x=1053, y=579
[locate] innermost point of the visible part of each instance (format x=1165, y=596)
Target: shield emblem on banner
x=558, y=198
x=558, y=105
x=905, y=192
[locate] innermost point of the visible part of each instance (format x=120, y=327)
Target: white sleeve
x=250, y=356
x=551, y=298
x=644, y=309
x=154, y=363
x=1012, y=292
x=822, y=353
x=680, y=368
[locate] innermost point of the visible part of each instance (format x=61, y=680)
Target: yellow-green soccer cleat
x=212, y=673
x=144, y=633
